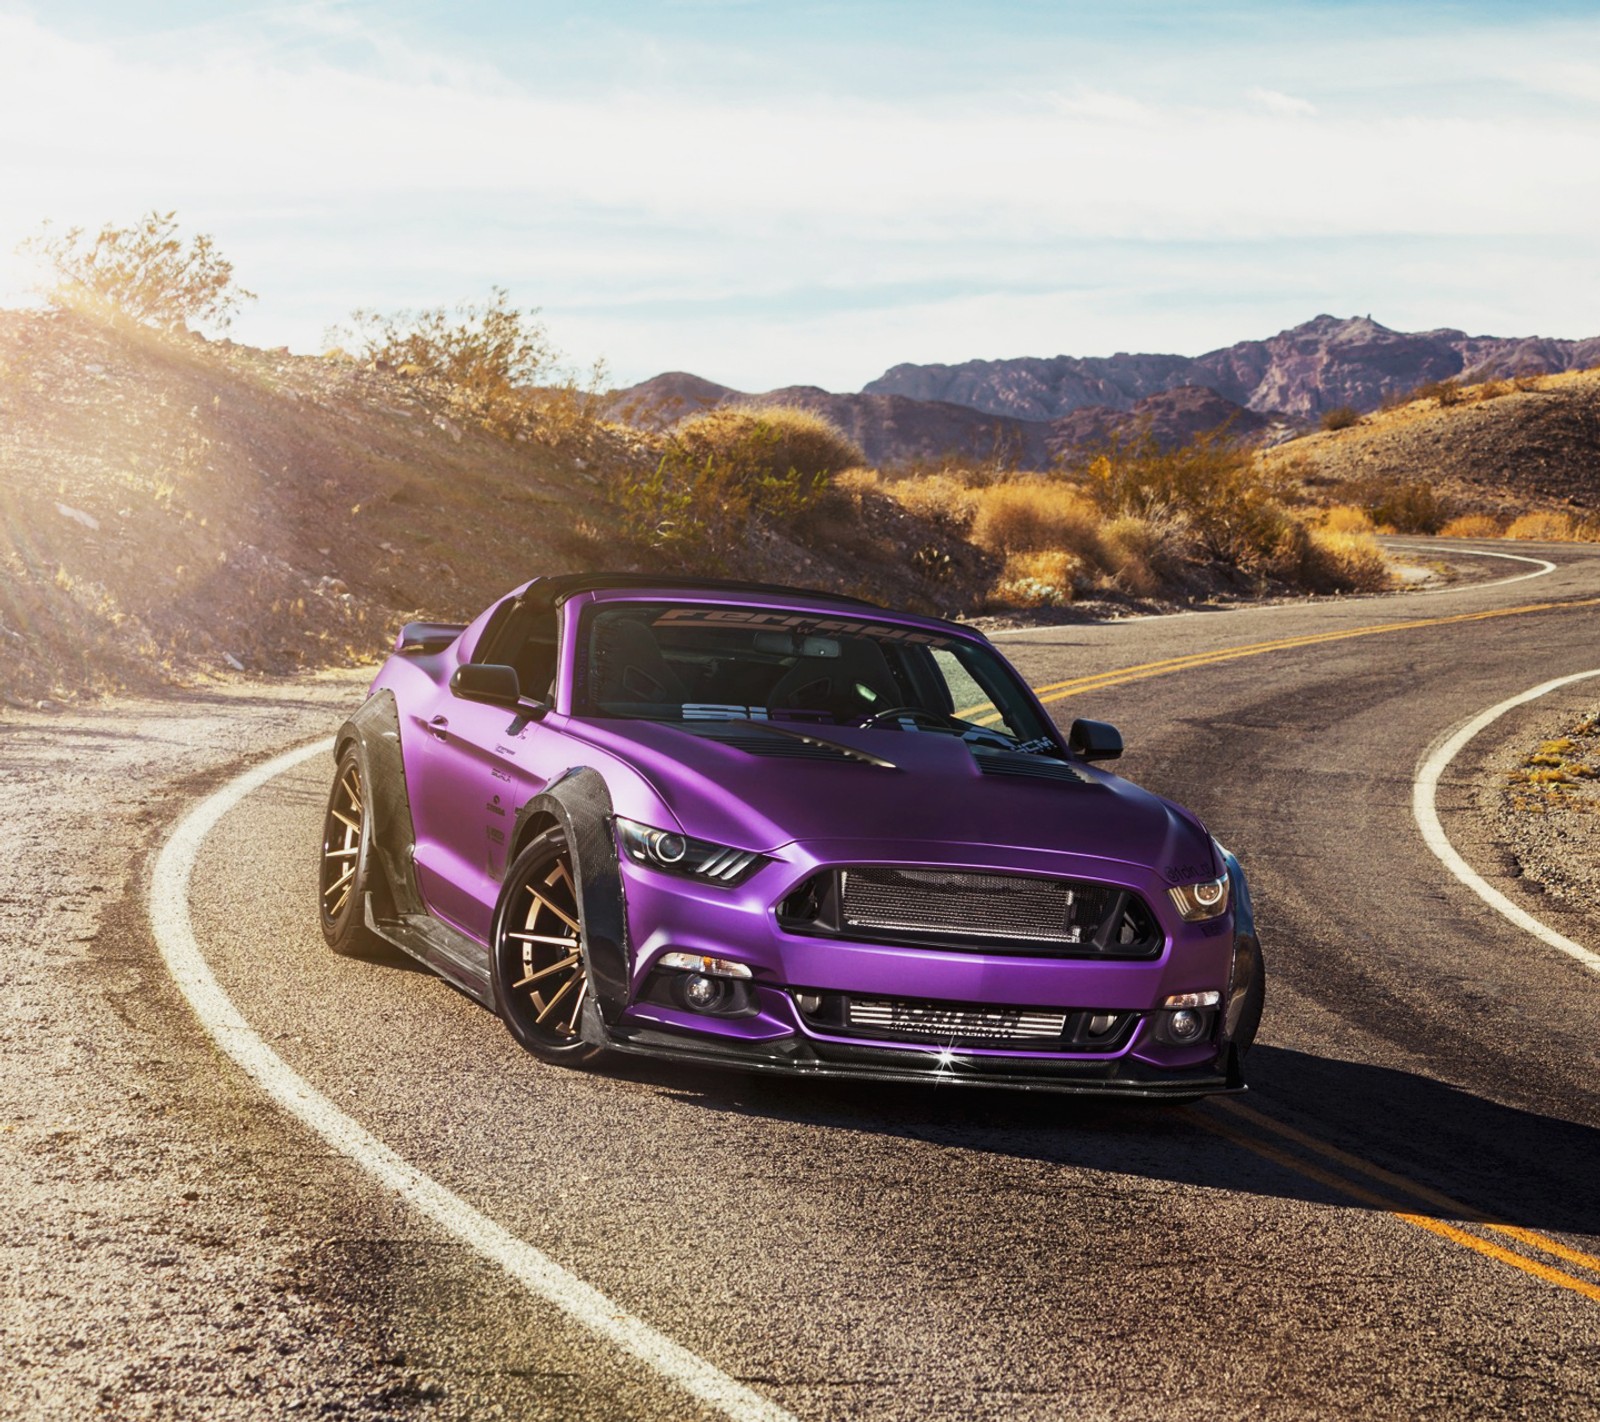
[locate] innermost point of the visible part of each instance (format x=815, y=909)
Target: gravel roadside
x=168, y=1245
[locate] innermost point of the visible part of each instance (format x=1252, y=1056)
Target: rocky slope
x=1514, y=451
x=1325, y=363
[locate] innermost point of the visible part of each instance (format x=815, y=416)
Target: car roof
x=560, y=588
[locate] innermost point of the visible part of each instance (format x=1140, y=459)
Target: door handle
x=439, y=728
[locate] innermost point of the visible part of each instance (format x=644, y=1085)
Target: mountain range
x=1034, y=410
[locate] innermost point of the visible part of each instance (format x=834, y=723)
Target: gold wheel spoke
x=557, y=910
x=344, y=898
x=342, y=879
x=571, y=962
x=577, y=1007
x=564, y=874
x=561, y=992
x=549, y=938
x=346, y=821
x=341, y=853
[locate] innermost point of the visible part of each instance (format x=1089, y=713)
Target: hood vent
x=785, y=744
x=1021, y=766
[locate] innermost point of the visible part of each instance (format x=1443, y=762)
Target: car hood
x=759, y=789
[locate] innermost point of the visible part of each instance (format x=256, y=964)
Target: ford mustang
x=783, y=831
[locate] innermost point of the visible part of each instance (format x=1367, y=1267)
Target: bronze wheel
x=540, y=978
x=342, y=878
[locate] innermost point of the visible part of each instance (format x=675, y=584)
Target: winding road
x=1400, y=1219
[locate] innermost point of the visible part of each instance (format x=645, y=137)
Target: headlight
x=1197, y=902
x=680, y=854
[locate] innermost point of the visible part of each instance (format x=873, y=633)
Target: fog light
x=808, y=1002
x=702, y=993
x=1101, y=1023
x=1185, y=1025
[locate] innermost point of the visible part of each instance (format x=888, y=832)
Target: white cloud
x=360, y=168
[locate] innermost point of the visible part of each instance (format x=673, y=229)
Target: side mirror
x=487, y=682
x=1095, y=740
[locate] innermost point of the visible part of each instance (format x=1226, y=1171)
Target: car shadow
x=1497, y=1162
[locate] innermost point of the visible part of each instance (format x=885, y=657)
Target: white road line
x=1544, y=567
x=169, y=917
x=1423, y=791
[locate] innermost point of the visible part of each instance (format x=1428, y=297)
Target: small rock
x=78, y=516
x=233, y=661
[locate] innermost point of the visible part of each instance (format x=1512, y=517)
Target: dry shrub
x=1227, y=498
x=766, y=441
x=944, y=501
x=142, y=272
x=1551, y=527
x=1493, y=389
x=1346, y=562
x=1444, y=393
x=497, y=361
x=1035, y=517
x=1141, y=554
x=1346, y=518
x=1037, y=579
x=1409, y=508
x=1341, y=417
x=1472, y=526
x=725, y=469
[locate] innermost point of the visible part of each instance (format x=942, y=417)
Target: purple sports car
x=784, y=831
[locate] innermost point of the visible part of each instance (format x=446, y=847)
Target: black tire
x=1255, y=999
x=344, y=869
x=538, y=964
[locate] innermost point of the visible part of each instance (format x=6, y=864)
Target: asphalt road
x=1401, y=1219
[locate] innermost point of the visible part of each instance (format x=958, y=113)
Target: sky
x=770, y=194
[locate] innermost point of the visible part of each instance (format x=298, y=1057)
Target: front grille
x=954, y=1024
x=961, y=909
x=922, y=1019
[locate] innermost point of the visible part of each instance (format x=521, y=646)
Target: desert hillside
x=177, y=508
x=1500, y=448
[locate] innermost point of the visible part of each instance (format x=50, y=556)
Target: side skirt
x=454, y=956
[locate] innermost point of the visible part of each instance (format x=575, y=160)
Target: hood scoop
x=757, y=738
x=1018, y=765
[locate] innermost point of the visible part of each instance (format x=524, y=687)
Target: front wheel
x=541, y=980
x=343, y=872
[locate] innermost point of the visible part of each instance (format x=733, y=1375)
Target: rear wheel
x=342, y=879
x=541, y=979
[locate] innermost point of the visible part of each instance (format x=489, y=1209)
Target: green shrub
x=723, y=471
x=144, y=273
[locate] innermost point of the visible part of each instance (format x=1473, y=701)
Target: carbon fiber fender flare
x=580, y=803
x=1246, y=978
x=374, y=730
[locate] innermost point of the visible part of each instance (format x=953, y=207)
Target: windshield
x=692, y=662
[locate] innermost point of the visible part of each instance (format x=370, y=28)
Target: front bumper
x=667, y=913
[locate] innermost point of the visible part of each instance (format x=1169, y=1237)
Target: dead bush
x=1550, y=527
x=1037, y=516
x=1037, y=579
x=944, y=501
x=1471, y=526
x=1443, y=393
x=143, y=272
x=1409, y=508
x=1346, y=518
x=1341, y=417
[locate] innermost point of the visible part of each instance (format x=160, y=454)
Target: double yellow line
x=1454, y=1232
x=1058, y=690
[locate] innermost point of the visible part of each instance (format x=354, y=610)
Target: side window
x=535, y=661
